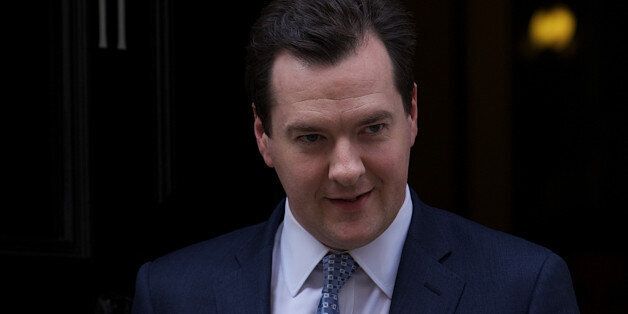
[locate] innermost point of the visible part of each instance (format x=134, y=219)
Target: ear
x=413, y=117
x=263, y=141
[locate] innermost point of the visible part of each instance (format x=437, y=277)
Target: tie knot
x=337, y=268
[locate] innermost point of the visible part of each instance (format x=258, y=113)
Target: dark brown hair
x=322, y=32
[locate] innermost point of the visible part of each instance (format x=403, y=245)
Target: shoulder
x=201, y=261
x=501, y=269
x=477, y=249
x=183, y=281
x=177, y=281
x=213, y=251
x=466, y=235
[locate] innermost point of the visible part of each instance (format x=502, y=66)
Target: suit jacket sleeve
x=141, y=301
x=553, y=291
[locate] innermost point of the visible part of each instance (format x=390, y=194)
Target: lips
x=350, y=202
x=348, y=198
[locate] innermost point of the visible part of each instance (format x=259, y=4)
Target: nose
x=345, y=166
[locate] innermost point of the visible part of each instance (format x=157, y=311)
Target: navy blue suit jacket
x=448, y=265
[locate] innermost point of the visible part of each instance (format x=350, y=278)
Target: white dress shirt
x=297, y=277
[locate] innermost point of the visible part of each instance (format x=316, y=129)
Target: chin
x=352, y=241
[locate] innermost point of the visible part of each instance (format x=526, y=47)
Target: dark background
x=113, y=157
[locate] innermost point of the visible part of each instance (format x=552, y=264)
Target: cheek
x=300, y=175
x=389, y=165
x=386, y=160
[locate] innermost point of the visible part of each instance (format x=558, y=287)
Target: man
x=335, y=110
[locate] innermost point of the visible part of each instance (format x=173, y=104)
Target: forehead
x=365, y=74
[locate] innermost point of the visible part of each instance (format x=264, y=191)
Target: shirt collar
x=300, y=252
x=379, y=259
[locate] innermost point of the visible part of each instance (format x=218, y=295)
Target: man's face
x=340, y=144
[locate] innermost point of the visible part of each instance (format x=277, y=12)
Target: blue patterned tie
x=337, y=268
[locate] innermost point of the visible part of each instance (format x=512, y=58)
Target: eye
x=309, y=138
x=375, y=128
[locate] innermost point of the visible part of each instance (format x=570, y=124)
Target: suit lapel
x=424, y=284
x=247, y=289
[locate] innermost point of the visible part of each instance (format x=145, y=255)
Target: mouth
x=350, y=202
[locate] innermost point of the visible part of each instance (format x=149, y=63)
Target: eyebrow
x=376, y=116
x=300, y=127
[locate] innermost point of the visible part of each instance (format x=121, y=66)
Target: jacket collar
x=247, y=290
x=424, y=284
